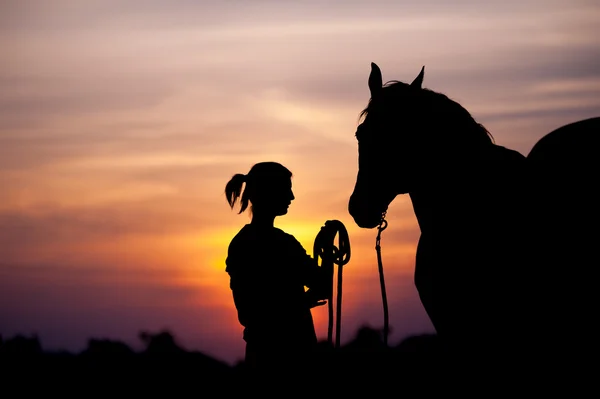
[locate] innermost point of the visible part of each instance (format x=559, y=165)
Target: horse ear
x=418, y=82
x=375, y=80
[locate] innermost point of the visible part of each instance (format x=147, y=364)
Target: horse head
x=387, y=143
x=411, y=139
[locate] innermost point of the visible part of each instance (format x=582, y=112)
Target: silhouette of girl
x=269, y=270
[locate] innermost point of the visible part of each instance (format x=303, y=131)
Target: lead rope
x=382, y=226
x=330, y=255
x=325, y=248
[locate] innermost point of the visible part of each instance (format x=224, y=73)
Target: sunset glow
x=122, y=121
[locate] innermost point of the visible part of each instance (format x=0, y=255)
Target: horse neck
x=450, y=199
x=487, y=192
x=425, y=209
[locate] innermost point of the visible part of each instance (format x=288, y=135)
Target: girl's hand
x=318, y=303
x=312, y=301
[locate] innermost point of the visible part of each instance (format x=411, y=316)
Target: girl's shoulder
x=255, y=237
x=244, y=235
x=286, y=237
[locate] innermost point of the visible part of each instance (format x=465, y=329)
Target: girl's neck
x=263, y=220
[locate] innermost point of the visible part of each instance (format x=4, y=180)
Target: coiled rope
x=331, y=255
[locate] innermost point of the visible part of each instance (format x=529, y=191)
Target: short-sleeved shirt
x=269, y=270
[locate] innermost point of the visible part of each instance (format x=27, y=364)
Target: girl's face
x=274, y=199
x=283, y=198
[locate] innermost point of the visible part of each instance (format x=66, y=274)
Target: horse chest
x=463, y=254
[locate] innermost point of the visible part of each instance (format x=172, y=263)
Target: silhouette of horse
x=486, y=270
x=564, y=173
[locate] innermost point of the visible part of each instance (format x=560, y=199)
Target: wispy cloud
x=121, y=122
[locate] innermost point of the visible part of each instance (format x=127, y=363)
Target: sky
x=122, y=121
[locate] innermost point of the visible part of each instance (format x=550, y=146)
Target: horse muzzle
x=364, y=216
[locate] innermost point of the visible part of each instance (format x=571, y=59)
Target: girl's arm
x=315, y=277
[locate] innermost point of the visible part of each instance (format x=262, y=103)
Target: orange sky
x=121, y=122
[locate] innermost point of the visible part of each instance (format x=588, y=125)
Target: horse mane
x=456, y=113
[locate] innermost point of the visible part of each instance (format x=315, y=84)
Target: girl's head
x=268, y=188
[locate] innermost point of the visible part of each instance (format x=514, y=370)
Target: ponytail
x=233, y=191
x=259, y=177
